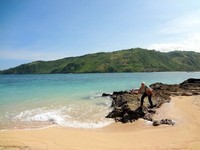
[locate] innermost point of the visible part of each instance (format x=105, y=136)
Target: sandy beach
x=185, y=134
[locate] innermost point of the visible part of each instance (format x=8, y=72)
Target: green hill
x=131, y=60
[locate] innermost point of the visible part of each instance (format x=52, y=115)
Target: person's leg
x=150, y=101
x=142, y=99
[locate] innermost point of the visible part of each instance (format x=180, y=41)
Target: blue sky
x=51, y=29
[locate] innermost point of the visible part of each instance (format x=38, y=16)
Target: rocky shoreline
x=126, y=104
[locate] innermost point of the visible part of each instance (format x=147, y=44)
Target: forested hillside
x=131, y=60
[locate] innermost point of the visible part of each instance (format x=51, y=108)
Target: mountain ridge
x=126, y=60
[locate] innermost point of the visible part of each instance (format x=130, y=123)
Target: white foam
x=78, y=124
x=96, y=96
x=63, y=116
x=42, y=115
x=149, y=122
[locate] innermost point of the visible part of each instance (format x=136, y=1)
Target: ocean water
x=69, y=100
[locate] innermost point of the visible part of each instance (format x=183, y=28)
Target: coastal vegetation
x=129, y=60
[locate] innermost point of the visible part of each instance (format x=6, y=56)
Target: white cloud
x=182, y=33
x=188, y=43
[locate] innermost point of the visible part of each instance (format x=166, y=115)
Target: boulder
x=156, y=123
x=163, y=121
x=105, y=95
x=126, y=108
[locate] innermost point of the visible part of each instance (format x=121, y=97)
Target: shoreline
x=185, y=134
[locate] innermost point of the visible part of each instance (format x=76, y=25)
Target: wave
x=72, y=116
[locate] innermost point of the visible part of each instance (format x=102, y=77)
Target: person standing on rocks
x=146, y=91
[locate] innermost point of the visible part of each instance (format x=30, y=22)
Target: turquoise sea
x=68, y=100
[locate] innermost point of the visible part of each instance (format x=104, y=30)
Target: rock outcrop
x=126, y=104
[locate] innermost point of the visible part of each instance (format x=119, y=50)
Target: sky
x=33, y=30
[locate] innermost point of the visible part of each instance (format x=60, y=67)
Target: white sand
x=184, y=135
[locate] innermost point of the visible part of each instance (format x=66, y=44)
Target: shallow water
x=68, y=100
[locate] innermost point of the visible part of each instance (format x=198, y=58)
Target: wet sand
x=185, y=134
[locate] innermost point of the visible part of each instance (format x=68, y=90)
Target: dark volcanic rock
x=187, y=88
x=126, y=108
x=191, y=85
x=126, y=104
x=105, y=95
x=156, y=123
x=163, y=121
